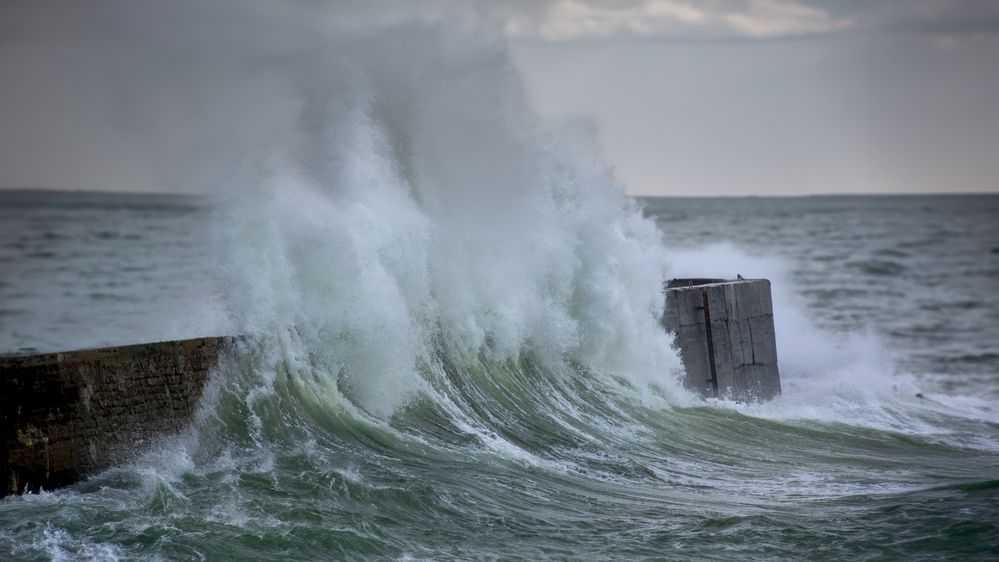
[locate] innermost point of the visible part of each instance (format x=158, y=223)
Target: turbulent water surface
x=877, y=299
x=455, y=353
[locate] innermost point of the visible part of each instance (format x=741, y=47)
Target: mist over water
x=455, y=351
x=424, y=205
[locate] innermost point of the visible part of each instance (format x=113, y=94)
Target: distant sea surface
x=884, y=445
x=86, y=269
x=921, y=272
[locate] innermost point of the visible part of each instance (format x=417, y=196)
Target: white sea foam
x=423, y=205
x=60, y=545
x=424, y=201
x=834, y=377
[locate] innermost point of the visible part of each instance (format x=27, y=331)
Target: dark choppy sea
x=515, y=455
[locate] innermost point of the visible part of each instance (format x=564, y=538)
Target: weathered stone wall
x=725, y=333
x=64, y=416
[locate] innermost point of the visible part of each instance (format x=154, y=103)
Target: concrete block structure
x=725, y=333
x=64, y=416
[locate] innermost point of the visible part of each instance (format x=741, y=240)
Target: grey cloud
x=946, y=16
x=151, y=95
x=575, y=20
x=925, y=16
x=569, y=20
x=146, y=95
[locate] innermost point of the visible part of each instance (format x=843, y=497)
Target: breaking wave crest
x=425, y=215
x=455, y=354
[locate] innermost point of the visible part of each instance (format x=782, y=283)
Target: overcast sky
x=714, y=97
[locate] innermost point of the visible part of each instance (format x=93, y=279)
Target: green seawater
x=527, y=459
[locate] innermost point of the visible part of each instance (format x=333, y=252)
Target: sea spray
x=425, y=203
x=833, y=376
x=522, y=442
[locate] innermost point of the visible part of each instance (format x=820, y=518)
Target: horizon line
x=74, y=190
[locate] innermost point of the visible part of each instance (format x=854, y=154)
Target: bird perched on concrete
x=741, y=278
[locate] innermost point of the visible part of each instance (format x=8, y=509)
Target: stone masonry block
x=737, y=358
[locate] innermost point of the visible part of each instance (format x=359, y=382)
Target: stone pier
x=725, y=333
x=64, y=416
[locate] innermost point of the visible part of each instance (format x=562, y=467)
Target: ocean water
x=89, y=269
x=877, y=298
x=455, y=351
